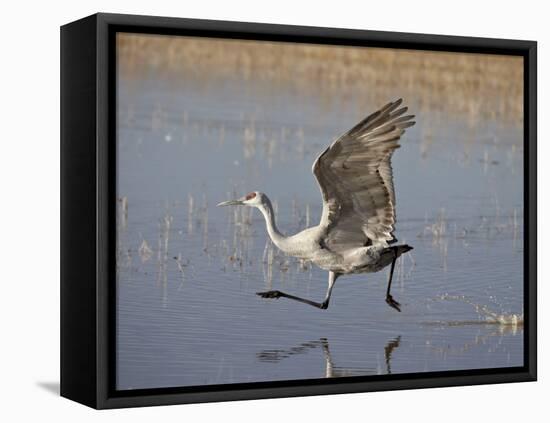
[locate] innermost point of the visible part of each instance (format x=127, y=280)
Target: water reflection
x=327, y=361
x=388, y=350
x=494, y=338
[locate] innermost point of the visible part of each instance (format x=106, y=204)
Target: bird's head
x=252, y=199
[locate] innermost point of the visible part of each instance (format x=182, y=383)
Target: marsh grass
x=480, y=86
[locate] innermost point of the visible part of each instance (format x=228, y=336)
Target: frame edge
x=104, y=399
x=78, y=211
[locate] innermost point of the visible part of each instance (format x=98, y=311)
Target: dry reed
x=479, y=85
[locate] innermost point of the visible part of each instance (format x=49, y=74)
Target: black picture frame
x=88, y=212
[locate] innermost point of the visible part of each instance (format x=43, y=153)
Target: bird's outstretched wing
x=356, y=181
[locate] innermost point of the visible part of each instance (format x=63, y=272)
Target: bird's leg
x=279, y=294
x=389, y=299
x=323, y=306
x=331, y=280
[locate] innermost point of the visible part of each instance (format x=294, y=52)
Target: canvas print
x=291, y=211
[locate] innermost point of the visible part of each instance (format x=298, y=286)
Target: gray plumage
x=358, y=219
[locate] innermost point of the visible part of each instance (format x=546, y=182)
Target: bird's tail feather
x=392, y=253
x=402, y=249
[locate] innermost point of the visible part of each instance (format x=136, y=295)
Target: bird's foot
x=270, y=294
x=392, y=303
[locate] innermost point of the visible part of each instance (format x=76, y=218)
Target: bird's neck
x=276, y=236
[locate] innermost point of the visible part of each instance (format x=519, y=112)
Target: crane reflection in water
x=331, y=369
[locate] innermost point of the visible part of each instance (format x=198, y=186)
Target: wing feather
x=356, y=180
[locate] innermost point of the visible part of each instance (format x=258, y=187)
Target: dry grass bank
x=480, y=86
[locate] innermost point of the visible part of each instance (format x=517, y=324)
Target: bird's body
x=355, y=234
x=309, y=245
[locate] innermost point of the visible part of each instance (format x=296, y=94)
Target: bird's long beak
x=238, y=202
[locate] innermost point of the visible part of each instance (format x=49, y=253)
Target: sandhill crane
x=356, y=180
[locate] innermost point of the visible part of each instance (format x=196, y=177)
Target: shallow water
x=187, y=313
